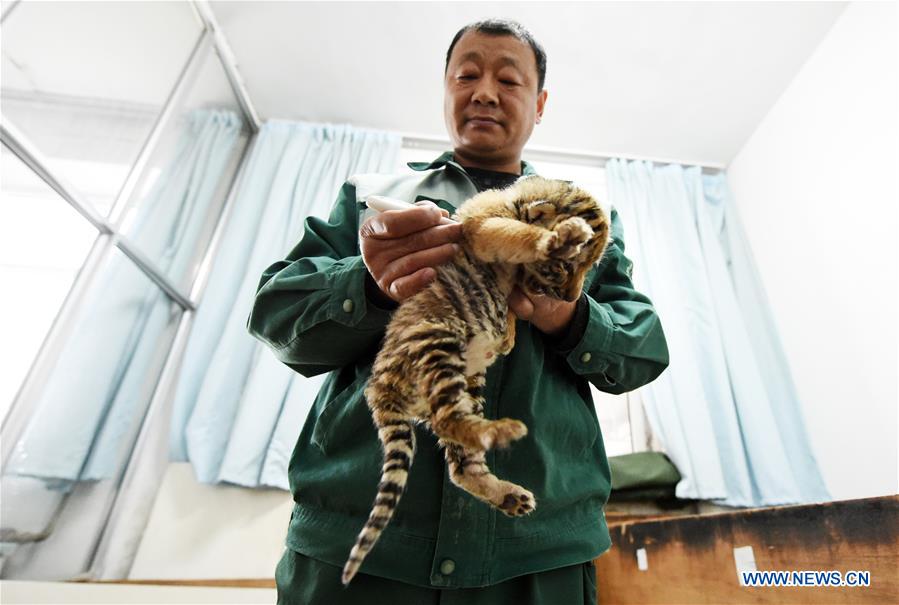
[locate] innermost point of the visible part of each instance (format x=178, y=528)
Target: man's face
x=491, y=101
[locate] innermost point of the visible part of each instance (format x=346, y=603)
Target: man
x=325, y=307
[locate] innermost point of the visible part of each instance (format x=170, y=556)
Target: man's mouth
x=483, y=121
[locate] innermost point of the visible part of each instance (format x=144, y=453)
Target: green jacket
x=311, y=309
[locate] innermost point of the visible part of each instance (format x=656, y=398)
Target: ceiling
x=683, y=81
x=117, y=52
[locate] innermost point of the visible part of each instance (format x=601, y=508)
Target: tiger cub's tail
x=398, y=439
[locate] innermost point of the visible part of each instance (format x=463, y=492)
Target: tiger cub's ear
x=541, y=210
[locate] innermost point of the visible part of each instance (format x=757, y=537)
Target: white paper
x=642, y=562
x=744, y=559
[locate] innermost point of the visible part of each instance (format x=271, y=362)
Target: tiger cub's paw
x=518, y=501
x=500, y=433
x=569, y=236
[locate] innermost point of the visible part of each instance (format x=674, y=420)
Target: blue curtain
x=90, y=410
x=726, y=409
x=237, y=410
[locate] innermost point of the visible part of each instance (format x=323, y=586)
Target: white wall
x=199, y=531
x=816, y=187
x=15, y=593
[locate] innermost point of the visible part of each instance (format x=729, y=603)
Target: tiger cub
x=542, y=235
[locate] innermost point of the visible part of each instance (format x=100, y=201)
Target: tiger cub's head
x=581, y=230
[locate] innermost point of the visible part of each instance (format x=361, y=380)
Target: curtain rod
x=550, y=154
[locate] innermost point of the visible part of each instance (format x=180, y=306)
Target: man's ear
x=541, y=103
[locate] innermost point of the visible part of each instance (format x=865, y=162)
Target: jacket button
x=348, y=305
x=586, y=357
x=447, y=566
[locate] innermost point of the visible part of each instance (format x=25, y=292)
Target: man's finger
x=422, y=240
x=390, y=250
x=410, y=285
x=400, y=223
x=410, y=263
x=521, y=305
x=444, y=213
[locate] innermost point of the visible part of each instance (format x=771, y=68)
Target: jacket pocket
x=584, y=415
x=562, y=410
x=592, y=421
x=343, y=418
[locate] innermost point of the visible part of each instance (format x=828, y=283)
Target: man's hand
x=549, y=315
x=400, y=248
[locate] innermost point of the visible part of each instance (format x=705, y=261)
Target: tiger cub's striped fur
x=540, y=234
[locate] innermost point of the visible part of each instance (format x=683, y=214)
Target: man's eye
x=467, y=77
x=509, y=82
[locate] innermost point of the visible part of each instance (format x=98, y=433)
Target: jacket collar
x=446, y=159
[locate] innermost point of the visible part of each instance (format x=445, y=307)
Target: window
x=173, y=209
x=86, y=82
x=36, y=227
x=122, y=136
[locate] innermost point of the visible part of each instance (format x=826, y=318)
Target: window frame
x=134, y=481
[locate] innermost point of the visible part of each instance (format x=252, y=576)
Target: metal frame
x=205, y=14
x=19, y=145
x=206, y=264
x=34, y=159
x=38, y=374
x=9, y=8
x=128, y=477
x=134, y=474
x=110, y=238
x=168, y=109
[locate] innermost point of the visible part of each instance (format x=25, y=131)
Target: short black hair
x=504, y=27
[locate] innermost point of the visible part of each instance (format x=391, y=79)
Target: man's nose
x=485, y=92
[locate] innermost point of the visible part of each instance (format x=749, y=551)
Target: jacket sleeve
x=311, y=307
x=623, y=346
